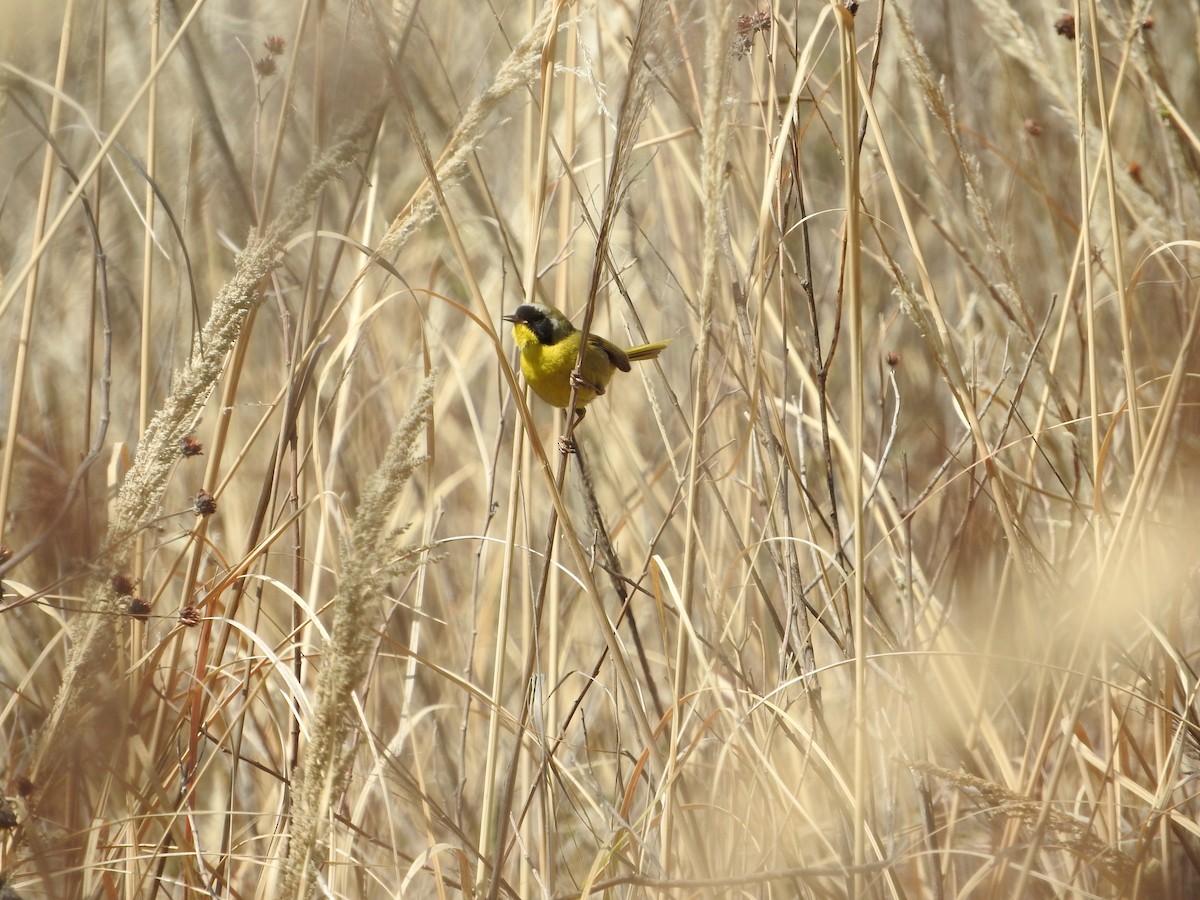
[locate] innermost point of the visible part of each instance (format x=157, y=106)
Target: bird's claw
x=580, y=382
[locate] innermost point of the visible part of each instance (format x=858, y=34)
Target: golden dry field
x=882, y=581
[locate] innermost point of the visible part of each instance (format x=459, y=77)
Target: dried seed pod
x=204, y=503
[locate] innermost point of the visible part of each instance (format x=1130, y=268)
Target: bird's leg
x=583, y=384
x=567, y=445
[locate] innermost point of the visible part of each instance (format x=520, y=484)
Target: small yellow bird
x=549, y=346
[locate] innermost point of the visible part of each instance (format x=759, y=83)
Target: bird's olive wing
x=614, y=353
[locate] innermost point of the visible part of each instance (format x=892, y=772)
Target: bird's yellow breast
x=547, y=367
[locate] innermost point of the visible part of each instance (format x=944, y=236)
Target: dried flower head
x=1065, y=26
x=275, y=44
x=204, y=503
x=1135, y=171
x=747, y=27
x=189, y=616
x=892, y=359
x=123, y=585
x=139, y=609
x=265, y=67
x=189, y=446
x=1034, y=128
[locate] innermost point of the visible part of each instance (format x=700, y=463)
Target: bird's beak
x=512, y=317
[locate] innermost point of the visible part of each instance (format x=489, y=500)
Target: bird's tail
x=646, y=351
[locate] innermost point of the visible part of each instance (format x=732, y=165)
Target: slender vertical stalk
x=852, y=301
x=716, y=135
x=41, y=234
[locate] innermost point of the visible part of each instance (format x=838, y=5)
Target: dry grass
x=880, y=582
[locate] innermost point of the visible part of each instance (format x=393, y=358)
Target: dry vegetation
x=882, y=581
